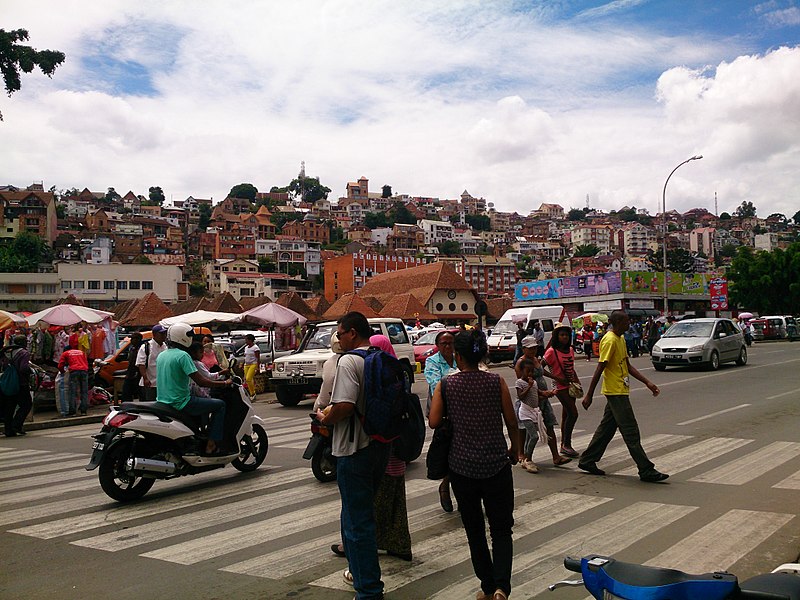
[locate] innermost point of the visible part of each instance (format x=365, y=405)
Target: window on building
x=65, y=285
x=147, y=285
x=439, y=307
x=122, y=285
x=78, y=285
x=133, y=285
x=48, y=288
x=94, y=285
x=108, y=285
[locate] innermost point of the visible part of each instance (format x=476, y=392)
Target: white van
x=503, y=341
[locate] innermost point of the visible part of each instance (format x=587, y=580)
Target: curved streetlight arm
x=664, y=225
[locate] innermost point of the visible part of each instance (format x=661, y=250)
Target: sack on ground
x=391, y=412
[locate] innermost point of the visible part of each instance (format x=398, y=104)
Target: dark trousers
x=15, y=410
x=618, y=414
x=496, y=495
x=130, y=389
x=359, y=476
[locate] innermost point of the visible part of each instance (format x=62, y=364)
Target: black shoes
x=444, y=498
x=591, y=468
x=653, y=477
x=336, y=551
x=83, y=413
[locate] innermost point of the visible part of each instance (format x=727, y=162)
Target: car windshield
x=690, y=329
x=427, y=339
x=504, y=328
x=319, y=339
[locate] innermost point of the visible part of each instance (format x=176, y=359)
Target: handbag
x=439, y=451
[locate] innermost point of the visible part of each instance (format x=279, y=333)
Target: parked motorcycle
x=606, y=578
x=323, y=462
x=144, y=441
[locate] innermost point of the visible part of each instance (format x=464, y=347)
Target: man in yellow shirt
x=616, y=370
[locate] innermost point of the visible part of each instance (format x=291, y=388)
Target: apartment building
x=348, y=273
x=599, y=235
x=634, y=239
x=489, y=275
x=33, y=211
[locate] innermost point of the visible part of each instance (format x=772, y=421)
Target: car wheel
x=289, y=396
x=659, y=367
x=742, y=360
x=713, y=364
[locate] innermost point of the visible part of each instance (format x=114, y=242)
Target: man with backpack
x=15, y=395
x=361, y=460
x=146, y=362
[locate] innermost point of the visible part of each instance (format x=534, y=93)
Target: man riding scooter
x=174, y=368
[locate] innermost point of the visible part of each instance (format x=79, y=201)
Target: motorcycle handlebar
x=572, y=564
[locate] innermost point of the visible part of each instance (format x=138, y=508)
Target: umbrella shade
x=273, y=314
x=746, y=315
x=594, y=318
x=199, y=317
x=68, y=314
x=8, y=319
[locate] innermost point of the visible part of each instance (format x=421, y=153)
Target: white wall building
x=436, y=232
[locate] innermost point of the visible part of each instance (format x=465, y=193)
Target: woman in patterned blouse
x=478, y=404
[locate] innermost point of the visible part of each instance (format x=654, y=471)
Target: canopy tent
x=201, y=317
x=589, y=318
x=273, y=314
x=8, y=319
x=68, y=314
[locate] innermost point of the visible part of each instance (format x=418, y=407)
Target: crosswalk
x=278, y=522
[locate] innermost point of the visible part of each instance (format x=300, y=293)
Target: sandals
x=445, y=500
x=559, y=462
x=569, y=452
x=348, y=577
x=499, y=595
x=336, y=551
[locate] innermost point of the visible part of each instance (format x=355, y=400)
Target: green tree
x=479, y=222
x=400, y=214
x=746, y=209
x=156, y=195
x=308, y=189
x=449, y=248
x=678, y=260
x=142, y=260
x=197, y=289
x=265, y=265
x=576, y=214
x=205, y=216
x=244, y=190
x=16, y=57
x=766, y=282
x=24, y=253
x=112, y=196
x=61, y=211
x=796, y=218
x=586, y=250
x=725, y=216
x=374, y=220
x=386, y=191
x=728, y=250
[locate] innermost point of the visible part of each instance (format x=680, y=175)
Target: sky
x=517, y=102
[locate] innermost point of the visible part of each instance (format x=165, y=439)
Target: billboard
x=569, y=287
x=687, y=284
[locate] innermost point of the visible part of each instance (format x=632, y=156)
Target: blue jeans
x=79, y=384
x=359, y=476
x=198, y=406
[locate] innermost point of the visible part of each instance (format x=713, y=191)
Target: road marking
x=611, y=533
x=718, y=374
x=71, y=431
x=43, y=480
x=46, y=492
x=755, y=464
x=52, y=458
x=22, y=454
x=714, y=414
x=650, y=443
x=790, y=483
x=46, y=468
x=254, y=534
x=789, y=393
x=120, y=513
x=198, y=520
x=690, y=456
x=435, y=554
x=719, y=544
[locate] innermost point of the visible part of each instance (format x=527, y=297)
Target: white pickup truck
x=300, y=373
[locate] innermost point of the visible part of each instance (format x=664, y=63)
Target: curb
x=58, y=422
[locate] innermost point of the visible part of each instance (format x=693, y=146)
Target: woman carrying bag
x=478, y=404
x=560, y=357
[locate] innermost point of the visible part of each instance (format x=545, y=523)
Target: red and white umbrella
x=8, y=319
x=68, y=314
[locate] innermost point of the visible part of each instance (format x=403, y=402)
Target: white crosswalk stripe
x=45, y=468
x=692, y=455
x=37, y=459
x=755, y=464
x=41, y=480
x=790, y=483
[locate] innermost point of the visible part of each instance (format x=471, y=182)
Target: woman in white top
x=252, y=359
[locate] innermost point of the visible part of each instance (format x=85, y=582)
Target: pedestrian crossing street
x=277, y=524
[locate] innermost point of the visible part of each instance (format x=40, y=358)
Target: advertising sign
x=718, y=288
x=570, y=287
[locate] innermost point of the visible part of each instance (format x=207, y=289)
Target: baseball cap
x=159, y=329
x=529, y=342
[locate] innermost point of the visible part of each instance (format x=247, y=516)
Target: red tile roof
x=408, y=308
x=348, y=303
x=145, y=312
x=319, y=304
x=297, y=304
x=253, y=302
x=420, y=281
x=224, y=302
x=190, y=305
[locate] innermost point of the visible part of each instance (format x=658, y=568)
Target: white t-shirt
x=150, y=365
x=349, y=387
x=250, y=354
x=328, y=378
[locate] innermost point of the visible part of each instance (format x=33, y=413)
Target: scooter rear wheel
x=323, y=464
x=115, y=480
x=248, y=460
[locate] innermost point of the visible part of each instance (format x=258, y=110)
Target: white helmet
x=181, y=334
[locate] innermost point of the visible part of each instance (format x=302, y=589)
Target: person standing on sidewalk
x=614, y=366
x=361, y=461
x=538, y=335
x=17, y=406
x=130, y=387
x=146, y=362
x=75, y=360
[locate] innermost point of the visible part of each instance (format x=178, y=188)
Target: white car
x=300, y=373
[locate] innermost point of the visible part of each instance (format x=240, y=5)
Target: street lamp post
x=664, y=225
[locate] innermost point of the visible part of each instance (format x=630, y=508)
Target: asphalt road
x=729, y=439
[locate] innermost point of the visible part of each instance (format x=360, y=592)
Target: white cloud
x=428, y=97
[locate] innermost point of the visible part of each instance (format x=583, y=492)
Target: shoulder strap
x=444, y=396
x=147, y=351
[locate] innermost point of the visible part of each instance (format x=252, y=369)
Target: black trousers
x=496, y=495
x=130, y=389
x=15, y=410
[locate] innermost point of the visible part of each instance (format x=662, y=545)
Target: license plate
x=297, y=380
x=674, y=356
x=98, y=446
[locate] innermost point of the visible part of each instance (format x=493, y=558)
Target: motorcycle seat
x=162, y=410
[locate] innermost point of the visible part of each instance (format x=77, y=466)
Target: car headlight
x=430, y=352
x=657, y=348
x=280, y=367
x=696, y=348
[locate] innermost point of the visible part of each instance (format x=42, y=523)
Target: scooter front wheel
x=116, y=481
x=323, y=464
x=252, y=451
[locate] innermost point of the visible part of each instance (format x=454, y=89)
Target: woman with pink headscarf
x=382, y=342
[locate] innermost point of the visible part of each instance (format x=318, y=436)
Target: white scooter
x=144, y=441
